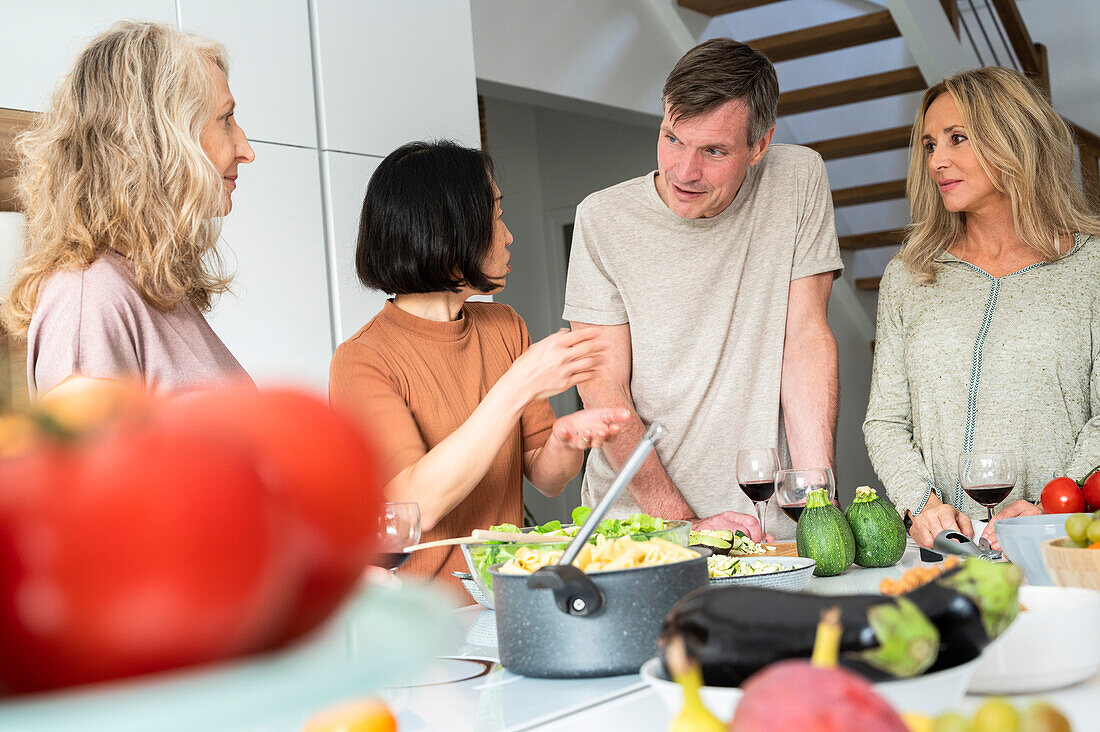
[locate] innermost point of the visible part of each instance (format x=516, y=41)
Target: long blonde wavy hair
x=115, y=163
x=1025, y=149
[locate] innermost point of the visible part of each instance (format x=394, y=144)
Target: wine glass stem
x=761, y=509
x=989, y=510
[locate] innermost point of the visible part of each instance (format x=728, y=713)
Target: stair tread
x=862, y=143
x=868, y=283
x=869, y=193
x=828, y=37
x=721, y=7
x=848, y=91
x=870, y=240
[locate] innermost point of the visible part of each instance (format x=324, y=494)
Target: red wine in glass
x=794, y=511
x=390, y=560
x=758, y=490
x=988, y=477
x=989, y=495
x=756, y=468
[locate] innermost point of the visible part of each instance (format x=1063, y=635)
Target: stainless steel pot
x=562, y=623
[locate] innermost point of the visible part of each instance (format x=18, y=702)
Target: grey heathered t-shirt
x=706, y=300
x=93, y=322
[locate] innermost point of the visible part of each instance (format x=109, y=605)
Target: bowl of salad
x=777, y=573
x=480, y=557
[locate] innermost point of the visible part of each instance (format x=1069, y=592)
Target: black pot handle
x=574, y=592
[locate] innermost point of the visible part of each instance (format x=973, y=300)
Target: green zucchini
x=823, y=535
x=877, y=528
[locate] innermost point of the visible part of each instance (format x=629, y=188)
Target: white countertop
x=497, y=699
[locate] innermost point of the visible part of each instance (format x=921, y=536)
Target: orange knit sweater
x=409, y=382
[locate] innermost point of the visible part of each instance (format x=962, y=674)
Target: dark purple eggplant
x=733, y=632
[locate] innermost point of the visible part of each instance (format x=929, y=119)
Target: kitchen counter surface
x=469, y=691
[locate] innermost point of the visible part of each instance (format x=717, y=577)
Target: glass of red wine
x=398, y=527
x=988, y=477
x=756, y=470
x=792, y=487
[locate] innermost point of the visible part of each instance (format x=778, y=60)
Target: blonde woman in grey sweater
x=988, y=320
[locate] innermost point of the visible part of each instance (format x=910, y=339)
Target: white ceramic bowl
x=1055, y=642
x=929, y=694
x=792, y=579
x=1020, y=538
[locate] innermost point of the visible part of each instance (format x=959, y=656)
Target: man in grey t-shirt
x=710, y=278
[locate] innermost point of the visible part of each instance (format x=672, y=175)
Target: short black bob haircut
x=427, y=220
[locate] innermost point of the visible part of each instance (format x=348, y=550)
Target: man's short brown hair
x=720, y=70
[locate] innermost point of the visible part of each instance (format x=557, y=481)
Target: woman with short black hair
x=453, y=391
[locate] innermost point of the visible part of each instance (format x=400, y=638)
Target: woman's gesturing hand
x=557, y=362
x=590, y=428
x=935, y=518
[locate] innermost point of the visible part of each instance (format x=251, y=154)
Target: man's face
x=702, y=161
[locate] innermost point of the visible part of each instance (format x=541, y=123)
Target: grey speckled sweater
x=976, y=363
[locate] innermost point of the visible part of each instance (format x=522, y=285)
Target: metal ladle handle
x=630, y=468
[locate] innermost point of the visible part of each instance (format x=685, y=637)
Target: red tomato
x=316, y=461
x=1062, y=495
x=147, y=549
x=1091, y=490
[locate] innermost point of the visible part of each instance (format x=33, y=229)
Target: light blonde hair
x=115, y=163
x=1022, y=145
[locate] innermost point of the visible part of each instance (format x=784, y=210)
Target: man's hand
x=733, y=521
x=936, y=518
x=1019, y=508
x=590, y=428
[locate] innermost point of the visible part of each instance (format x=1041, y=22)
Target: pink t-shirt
x=93, y=322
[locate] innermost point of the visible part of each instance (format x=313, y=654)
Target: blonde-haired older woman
x=988, y=319
x=124, y=181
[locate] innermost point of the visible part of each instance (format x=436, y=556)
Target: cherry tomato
x=1091, y=490
x=1062, y=495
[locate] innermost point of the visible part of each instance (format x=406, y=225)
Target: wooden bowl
x=1071, y=566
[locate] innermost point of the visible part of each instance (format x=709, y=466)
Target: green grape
x=951, y=722
x=996, y=715
x=1041, y=717
x=1094, y=532
x=1077, y=526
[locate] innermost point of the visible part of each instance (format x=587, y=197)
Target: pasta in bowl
x=605, y=555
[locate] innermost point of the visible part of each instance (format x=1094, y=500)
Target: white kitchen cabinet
x=277, y=321
x=270, y=66
x=39, y=40
x=396, y=70
x=347, y=180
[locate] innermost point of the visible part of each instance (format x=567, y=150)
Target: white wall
x=38, y=41
x=612, y=52
x=324, y=90
x=1069, y=29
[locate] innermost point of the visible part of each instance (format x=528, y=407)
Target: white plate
x=797, y=573
x=929, y=694
x=1055, y=642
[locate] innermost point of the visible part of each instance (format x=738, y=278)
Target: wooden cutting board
x=781, y=550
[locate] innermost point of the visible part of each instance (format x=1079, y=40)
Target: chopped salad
x=720, y=566
x=494, y=552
